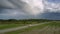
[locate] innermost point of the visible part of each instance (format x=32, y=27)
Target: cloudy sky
x=26, y=9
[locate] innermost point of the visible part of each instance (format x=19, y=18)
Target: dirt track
x=18, y=28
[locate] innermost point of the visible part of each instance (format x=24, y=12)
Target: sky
x=27, y=9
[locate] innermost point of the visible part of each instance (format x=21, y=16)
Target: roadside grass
x=53, y=28
x=34, y=28
x=27, y=29
x=5, y=26
x=56, y=24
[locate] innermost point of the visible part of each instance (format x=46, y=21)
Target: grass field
x=28, y=29
x=50, y=28
x=5, y=26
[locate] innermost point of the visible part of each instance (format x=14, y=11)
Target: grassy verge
x=28, y=29
x=5, y=26
x=55, y=24
x=34, y=28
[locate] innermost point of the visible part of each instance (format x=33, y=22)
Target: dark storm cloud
x=17, y=9
x=50, y=15
x=55, y=1
x=11, y=4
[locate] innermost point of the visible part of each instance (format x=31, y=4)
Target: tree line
x=24, y=21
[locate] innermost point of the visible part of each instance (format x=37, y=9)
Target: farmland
x=50, y=26
x=16, y=23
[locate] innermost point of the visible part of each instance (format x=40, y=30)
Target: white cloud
x=36, y=6
x=31, y=7
x=52, y=6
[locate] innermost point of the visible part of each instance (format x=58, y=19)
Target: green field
x=51, y=26
x=5, y=26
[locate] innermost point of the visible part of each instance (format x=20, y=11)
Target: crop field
x=44, y=27
x=52, y=28
x=4, y=24
x=49, y=28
